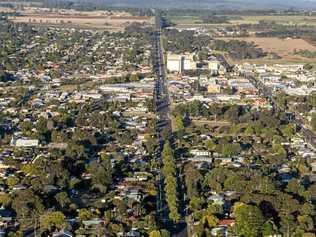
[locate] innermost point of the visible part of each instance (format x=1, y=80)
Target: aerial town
x=147, y=122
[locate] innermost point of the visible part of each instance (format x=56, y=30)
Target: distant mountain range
x=218, y=4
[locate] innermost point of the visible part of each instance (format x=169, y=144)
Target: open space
x=283, y=47
x=101, y=20
x=187, y=21
x=285, y=20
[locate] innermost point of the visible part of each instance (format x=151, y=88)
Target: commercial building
x=214, y=66
x=174, y=62
x=179, y=63
x=213, y=89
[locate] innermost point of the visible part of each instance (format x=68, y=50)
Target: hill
x=218, y=4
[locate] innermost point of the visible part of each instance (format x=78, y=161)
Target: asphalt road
x=161, y=100
x=162, y=105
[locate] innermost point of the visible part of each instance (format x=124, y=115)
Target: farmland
x=100, y=20
x=186, y=21
x=282, y=47
x=285, y=20
x=6, y=10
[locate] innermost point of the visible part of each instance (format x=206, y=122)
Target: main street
x=161, y=100
x=163, y=129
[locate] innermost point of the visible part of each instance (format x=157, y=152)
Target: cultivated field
x=283, y=47
x=6, y=10
x=102, y=20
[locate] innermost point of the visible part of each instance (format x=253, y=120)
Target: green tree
x=229, y=149
x=169, y=172
x=196, y=203
x=155, y=233
x=210, y=145
x=210, y=221
x=312, y=100
x=165, y=233
x=28, y=206
x=151, y=143
x=63, y=199
x=179, y=123
x=134, y=77
x=249, y=220
x=192, y=180
x=313, y=121
x=12, y=181
x=308, y=66
x=215, y=209
x=85, y=214
x=288, y=130
x=5, y=199
x=52, y=221
x=101, y=172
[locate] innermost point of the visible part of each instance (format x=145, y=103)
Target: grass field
x=185, y=20
x=285, y=20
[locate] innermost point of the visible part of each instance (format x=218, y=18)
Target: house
x=200, y=153
x=92, y=95
x=217, y=199
x=285, y=177
x=313, y=165
x=134, y=194
x=222, y=230
x=213, y=66
x=219, y=231
x=92, y=222
x=24, y=142
x=224, y=160
x=132, y=233
x=227, y=98
x=226, y=222
x=62, y=233
x=19, y=187
x=6, y=215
